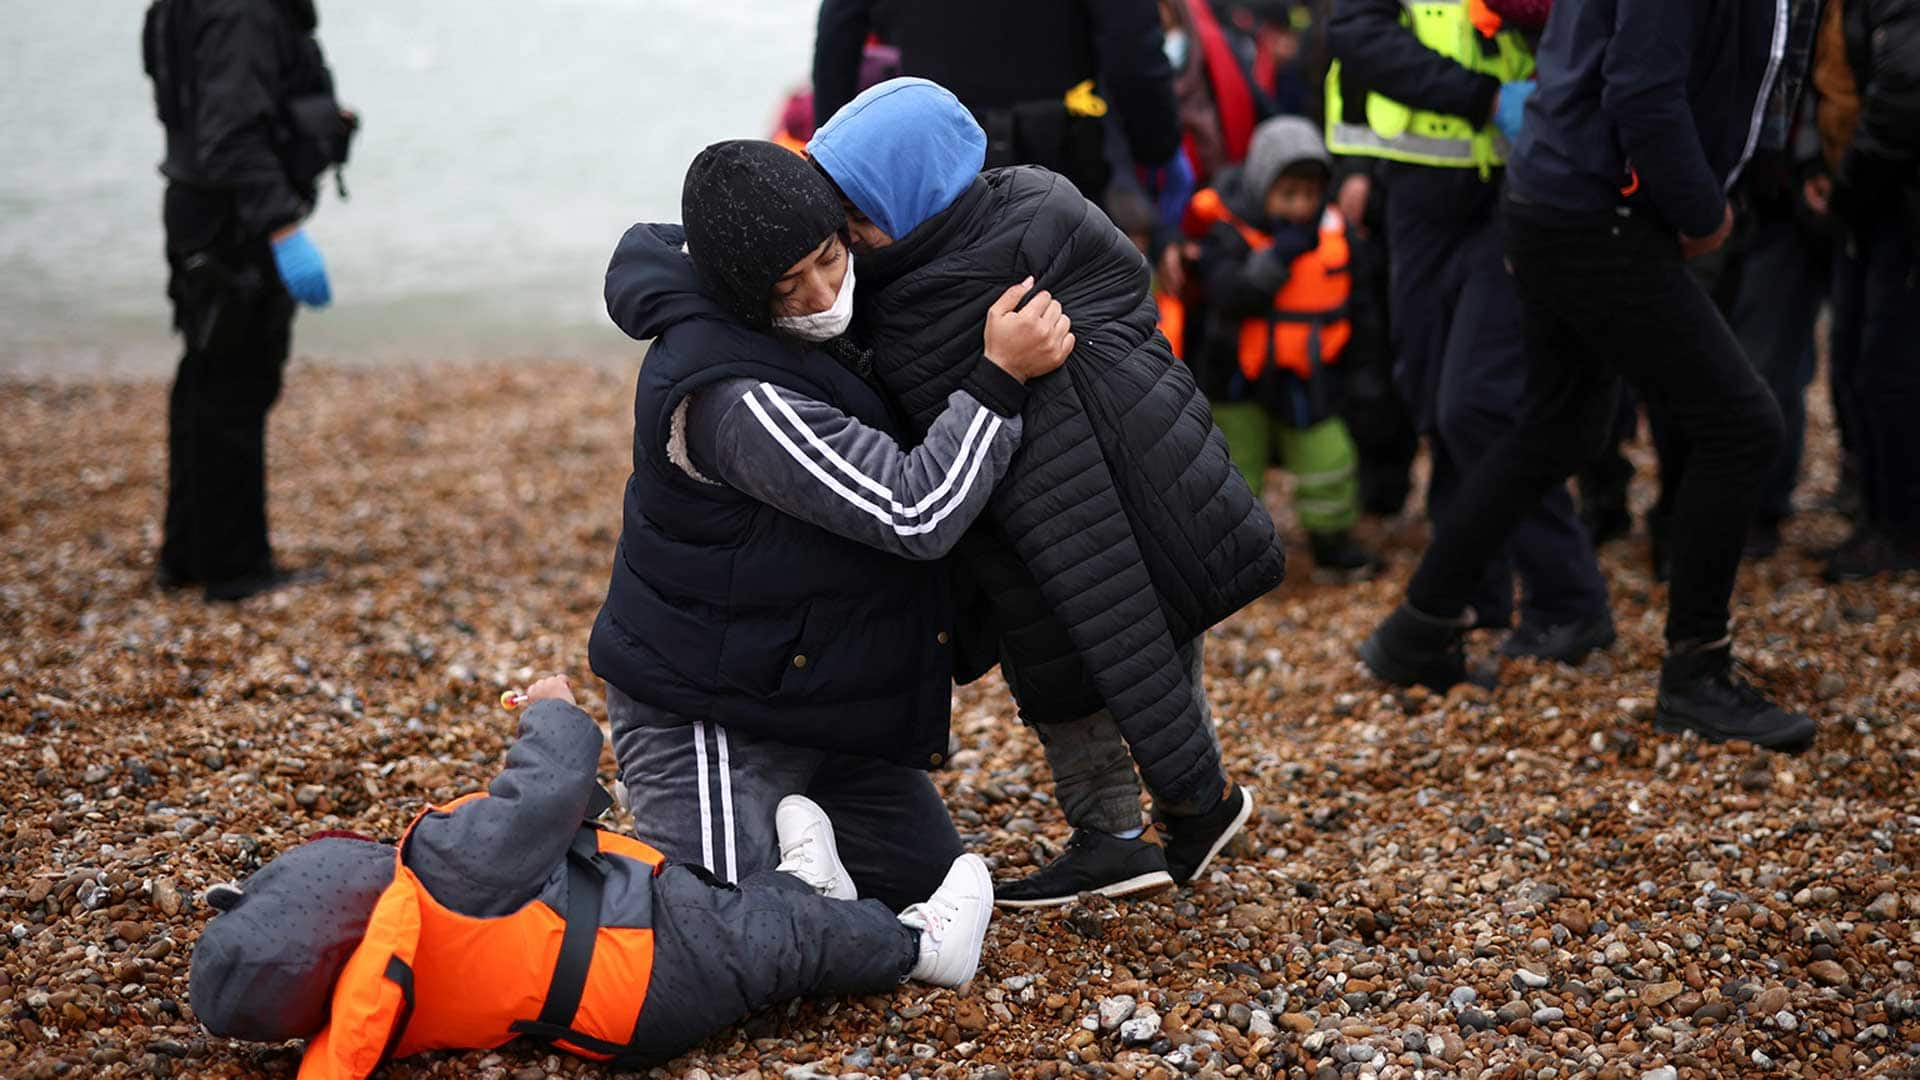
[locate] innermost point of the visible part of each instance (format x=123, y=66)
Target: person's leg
x=701, y=794
x=242, y=380
x=892, y=829
x=1093, y=775
x=1773, y=318
x=1485, y=392
x=1887, y=377
x=1244, y=423
x=722, y=951
x=1323, y=460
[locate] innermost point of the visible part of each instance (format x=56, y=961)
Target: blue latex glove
x=1171, y=186
x=1510, y=108
x=301, y=267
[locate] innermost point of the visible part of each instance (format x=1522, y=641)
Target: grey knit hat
x=1278, y=143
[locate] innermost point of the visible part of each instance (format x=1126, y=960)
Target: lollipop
x=512, y=699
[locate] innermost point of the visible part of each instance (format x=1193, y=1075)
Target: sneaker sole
x=1140, y=885
x=1227, y=834
x=1672, y=725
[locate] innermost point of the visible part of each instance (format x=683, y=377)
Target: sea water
x=505, y=145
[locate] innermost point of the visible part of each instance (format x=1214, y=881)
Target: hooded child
x=1120, y=533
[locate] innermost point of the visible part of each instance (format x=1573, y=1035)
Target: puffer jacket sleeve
x=1890, y=106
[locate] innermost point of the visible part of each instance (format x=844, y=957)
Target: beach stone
x=1531, y=980
x=1661, y=993
x=1664, y=1072
x=1240, y=1016
x=1462, y=997
x=1549, y=1015
x=1829, y=973
x=1770, y=1001
x=1115, y=1010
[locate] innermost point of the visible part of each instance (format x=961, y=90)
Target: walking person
x=252, y=124
x=1646, y=113
x=1433, y=91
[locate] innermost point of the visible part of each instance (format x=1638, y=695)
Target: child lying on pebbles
x=508, y=912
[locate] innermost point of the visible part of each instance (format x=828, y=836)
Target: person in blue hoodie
x=1646, y=113
x=1120, y=533
x=779, y=618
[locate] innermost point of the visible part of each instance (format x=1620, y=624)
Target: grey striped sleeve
x=817, y=463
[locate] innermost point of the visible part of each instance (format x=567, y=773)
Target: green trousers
x=1322, y=459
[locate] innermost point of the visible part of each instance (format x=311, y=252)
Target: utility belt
x=1066, y=135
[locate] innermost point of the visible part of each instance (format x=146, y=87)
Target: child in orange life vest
x=1272, y=272
x=507, y=913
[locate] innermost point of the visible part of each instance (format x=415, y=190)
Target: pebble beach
x=1530, y=882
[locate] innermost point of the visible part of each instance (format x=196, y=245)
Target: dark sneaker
x=234, y=589
x=1192, y=842
x=1870, y=553
x=1338, y=557
x=1701, y=692
x=1568, y=643
x=1414, y=648
x=1094, y=862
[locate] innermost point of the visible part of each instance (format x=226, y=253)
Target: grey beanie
x=264, y=968
x=1277, y=144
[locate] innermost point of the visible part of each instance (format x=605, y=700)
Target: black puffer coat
x=1123, y=530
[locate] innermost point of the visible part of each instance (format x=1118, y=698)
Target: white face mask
x=828, y=324
x=1175, y=46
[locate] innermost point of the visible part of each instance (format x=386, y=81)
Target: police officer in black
x=252, y=124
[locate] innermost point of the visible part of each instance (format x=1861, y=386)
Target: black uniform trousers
x=1876, y=366
x=1606, y=296
x=237, y=320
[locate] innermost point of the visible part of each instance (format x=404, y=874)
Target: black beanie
x=751, y=210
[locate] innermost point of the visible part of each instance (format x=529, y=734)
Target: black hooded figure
x=251, y=123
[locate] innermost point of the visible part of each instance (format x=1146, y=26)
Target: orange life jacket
x=1307, y=326
x=1173, y=320
x=427, y=978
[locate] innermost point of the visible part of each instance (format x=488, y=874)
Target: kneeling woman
x=779, y=617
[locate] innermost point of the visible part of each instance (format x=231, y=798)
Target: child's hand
x=553, y=686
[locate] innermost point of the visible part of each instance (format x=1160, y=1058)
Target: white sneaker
x=953, y=924
x=807, y=851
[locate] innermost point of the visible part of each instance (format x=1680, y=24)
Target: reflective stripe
x=1775, y=55
x=706, y=804
x=726, y=800
x=1359, y=138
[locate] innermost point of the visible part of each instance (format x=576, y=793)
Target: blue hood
x=902, y=152
x=651, y=284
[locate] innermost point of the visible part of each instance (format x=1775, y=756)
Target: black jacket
x=248, y=104
x=1880, y=175
x=1661, y=98
x=1122, y=530
x=1002, y=53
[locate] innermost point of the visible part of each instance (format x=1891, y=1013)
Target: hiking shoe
x=1338, y=557
x=1701, y=692
x=1568, y=643
x=952, y=924
x=1192, y=842
x=1094, y=862
x=1870, y=553
x=1414, y=648
x=807, y=850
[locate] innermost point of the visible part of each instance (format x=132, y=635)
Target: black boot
x=1414, y=648
x=1870, y=553
x=1700, y=692
x=1569, y=642
x=1339, y=558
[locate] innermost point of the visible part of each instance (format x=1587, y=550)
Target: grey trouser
x=722, y=951
x=1093, y=774
x=703, y=794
